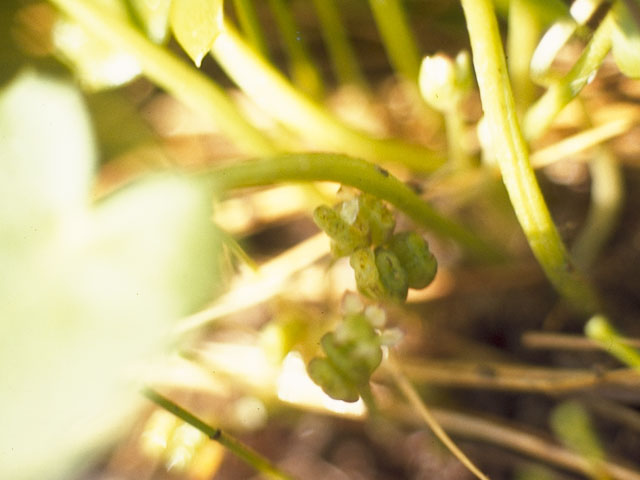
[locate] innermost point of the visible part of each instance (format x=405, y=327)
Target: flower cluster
x=352, y=351
x=386, y=265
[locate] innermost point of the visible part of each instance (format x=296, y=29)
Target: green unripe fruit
x=363, y=262
x=413, y=253
x=323, y=373
x=393, y=276
x=380, y=219
x=345, y=238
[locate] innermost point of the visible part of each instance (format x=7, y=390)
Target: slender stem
x=607, y=192
x=304, y=73
x=599, y=329
x=343, y=58
x=248, y=19
x=513, y=159
x=397, y=37
x=235, y=446
x=459, y=157
x=183, y=81
x=416, y=402
x=561, y=92
x=347, y=171
x=274, y=94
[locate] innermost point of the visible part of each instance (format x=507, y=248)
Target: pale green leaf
x=88, y=293
x=626, y=41
x=196, y=24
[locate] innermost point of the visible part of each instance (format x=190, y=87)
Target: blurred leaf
x=97, y=64
x=118, y=126
x=87, y=293
x=196, y=24
x=10, y=57
x=626, y=40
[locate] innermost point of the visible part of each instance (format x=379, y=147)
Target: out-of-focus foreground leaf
x=87, y=292
x=626, y=40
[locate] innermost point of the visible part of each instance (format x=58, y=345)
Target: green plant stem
x=459, y=158
x=599, y=329
x=397, y=37
x=183, y=81
x=350, y=171
x=607, y=196
x=250, y=25
x=513, y=159
x=424, y=412
x=343, y=58
x=524, y=32
x=275, y=95
x=561, y=92
x=235, y=446
x=304, y=73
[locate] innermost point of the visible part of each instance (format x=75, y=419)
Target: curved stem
x=599, y=329
x=250, y=457
x=561, y=92
x=513, y=159
x=348, y=171
x=184, y=82
x=274, y=94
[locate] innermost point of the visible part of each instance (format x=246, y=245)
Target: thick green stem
x=250, y=25
x=343, y=58
x=183, y=81
x=275, y=95
x=252, y=458
x=397, y=37
x=513, y=159
x=561, y=92
x=353, y=172
x=304, y=73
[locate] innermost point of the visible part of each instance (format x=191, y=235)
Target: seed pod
x=345, y=238
x=323, y=373
x=363, y=262
x=393, y=276
x=379, y=217
x=413, y=253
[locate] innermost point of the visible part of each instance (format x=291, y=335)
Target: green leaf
x=626, y=41
x=89, y=292
x=196, y=24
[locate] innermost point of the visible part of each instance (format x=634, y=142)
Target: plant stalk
x=235, y=446
x=560, y=93
x=350, y=171
x=248, y=19
x=513, y=159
